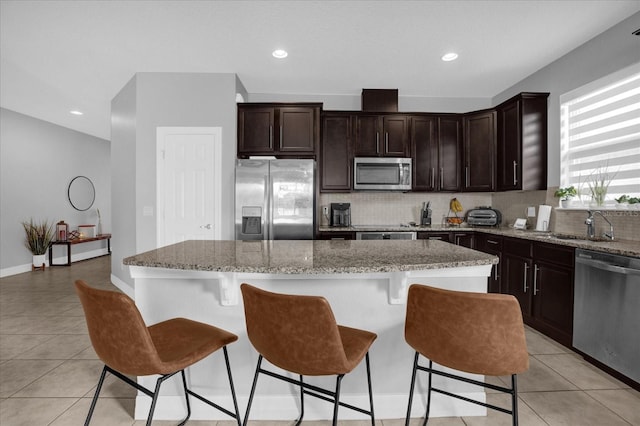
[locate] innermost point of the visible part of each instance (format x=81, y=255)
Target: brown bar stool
x=478, y=333
x=299, y=334
x=127, y=346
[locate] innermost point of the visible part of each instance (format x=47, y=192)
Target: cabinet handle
x=433, y=178
x=386, y=141
x=441, y=177
x=492, y=242
x=515, y=173
x=495, y=272
x=535, y=280
x=270, y=137
x=526, y=269
x=281, y=136
x=466, y=176
x=377, y=142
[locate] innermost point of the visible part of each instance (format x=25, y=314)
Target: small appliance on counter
x=341, y=214
x=425, y=214
x=484, y=216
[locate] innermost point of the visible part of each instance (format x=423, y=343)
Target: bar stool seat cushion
x=181, y=342
x=471, y=332
x=299, y=333
x=128, y=346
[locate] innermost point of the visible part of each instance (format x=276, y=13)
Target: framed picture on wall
x=62, y=231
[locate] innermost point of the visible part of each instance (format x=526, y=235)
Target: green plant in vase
x=38, y=238
x=565, y=194
x=598, y=183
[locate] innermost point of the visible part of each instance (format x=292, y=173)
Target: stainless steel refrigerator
x=275, y=199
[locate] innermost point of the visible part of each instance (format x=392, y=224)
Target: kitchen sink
x=578, y=238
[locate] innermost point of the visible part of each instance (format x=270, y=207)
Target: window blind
x=600, y=134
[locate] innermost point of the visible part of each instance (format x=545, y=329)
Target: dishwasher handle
x=606, y=266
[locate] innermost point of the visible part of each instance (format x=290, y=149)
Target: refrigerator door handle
x=268, y=234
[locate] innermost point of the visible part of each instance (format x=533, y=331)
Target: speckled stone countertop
x=311, y=257
x=619, y=246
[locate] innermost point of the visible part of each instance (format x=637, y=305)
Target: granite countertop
x=621, y=247
x=311, y=256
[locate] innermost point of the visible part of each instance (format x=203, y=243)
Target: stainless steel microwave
x=382, y=174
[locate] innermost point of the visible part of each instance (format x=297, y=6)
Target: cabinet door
x=479, y=151
x=517, y=280
x=509, y=147
x=367, y=136
x=395, y=136
x=425, y=153
x=493, y=245
x=255, y=130
x=335, y=153
x=463, y=239
x=553, y=300
x=296, y=131
x=450, y=153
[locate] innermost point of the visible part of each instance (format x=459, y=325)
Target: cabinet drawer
x=488, y=243
x=554, y=254
x=442, y=236
x=517, y=247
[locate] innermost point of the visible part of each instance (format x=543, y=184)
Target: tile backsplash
x=394, y=208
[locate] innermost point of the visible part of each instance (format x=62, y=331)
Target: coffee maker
x=341, y=214
x=425, y=214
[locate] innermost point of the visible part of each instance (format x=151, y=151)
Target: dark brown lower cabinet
x=336, y=235
x=491, y=244
x=540, y=276
x=442, y=236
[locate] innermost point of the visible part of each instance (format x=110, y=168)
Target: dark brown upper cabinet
x=436, y=146
x=522, y=142
x=336, y=158
x=479, y=151
x=284, y=130
x=382, y=135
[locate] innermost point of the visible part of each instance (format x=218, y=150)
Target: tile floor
x=48, y=370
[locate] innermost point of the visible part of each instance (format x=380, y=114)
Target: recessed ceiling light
x=76, y=112
x=280, y=54
x=450, y=57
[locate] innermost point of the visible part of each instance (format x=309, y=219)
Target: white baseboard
x=58, y=261
x=286, y=407
x=123, y=286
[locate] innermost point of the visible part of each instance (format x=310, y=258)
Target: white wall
x=149, y=101
x=38, y=160
x=610, y=51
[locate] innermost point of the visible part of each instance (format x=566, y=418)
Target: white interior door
x=188, y=168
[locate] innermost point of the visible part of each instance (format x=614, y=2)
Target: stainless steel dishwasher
x=606, y=315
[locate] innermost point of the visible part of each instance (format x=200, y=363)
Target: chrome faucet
x=591, y=225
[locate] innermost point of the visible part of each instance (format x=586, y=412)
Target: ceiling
x=62, y=55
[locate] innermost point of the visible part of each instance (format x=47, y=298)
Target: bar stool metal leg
x=233, y=390
x=413, y=383
x=373, y=418
x=301, y=402
x=426, y=416
x=253, y=390
x=336, y=405
x=514, y=399
x=95, y=396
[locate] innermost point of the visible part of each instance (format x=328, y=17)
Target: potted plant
x=565, y=194
x=38, y=238
x=600, y=179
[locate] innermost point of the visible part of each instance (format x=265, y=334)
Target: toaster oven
x=484, y=216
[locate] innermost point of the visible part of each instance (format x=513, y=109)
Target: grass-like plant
x=38, y=236
x=599, y=182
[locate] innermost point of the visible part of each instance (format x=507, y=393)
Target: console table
x=69, y=243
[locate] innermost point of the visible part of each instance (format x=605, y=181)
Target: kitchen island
x=364, y=281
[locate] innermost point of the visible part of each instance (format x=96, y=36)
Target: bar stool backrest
x=118, y=332
x=474, y=332
x=296, y=333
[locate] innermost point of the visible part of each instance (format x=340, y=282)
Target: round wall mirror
x=81, y=193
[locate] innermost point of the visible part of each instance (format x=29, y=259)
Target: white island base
x=371, y=301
